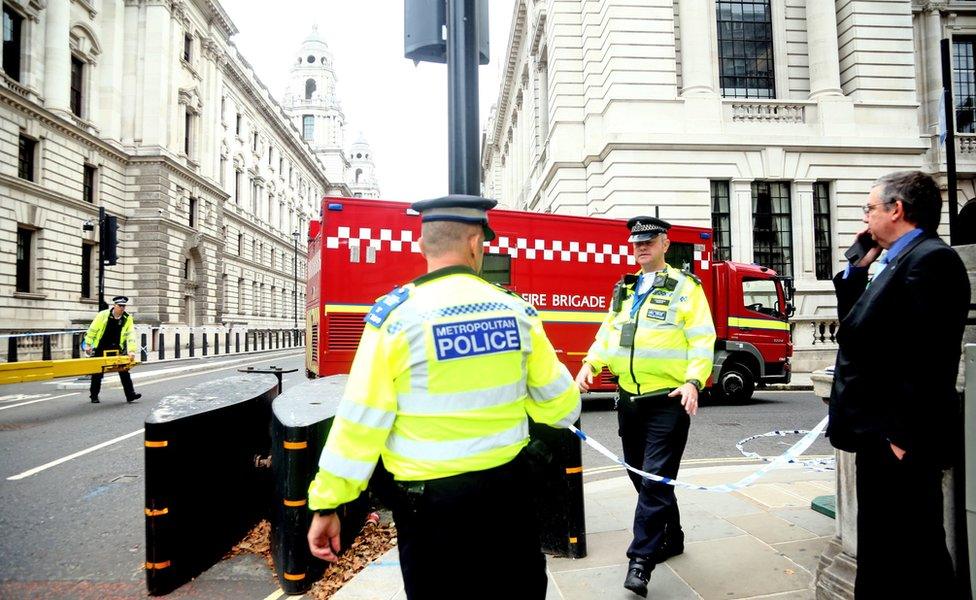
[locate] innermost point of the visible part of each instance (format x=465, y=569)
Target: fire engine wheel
x=736, y=384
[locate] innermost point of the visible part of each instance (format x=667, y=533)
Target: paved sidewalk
x=763, y=541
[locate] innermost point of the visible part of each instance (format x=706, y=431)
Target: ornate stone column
x=57, y=56
x=696, y=48
x=822, y=49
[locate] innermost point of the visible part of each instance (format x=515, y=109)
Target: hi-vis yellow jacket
x=674, y=340
x=447, y=371
x=127, y=337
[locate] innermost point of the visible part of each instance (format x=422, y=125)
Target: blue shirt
x=892, y=252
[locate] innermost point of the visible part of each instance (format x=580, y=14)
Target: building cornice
x=59, y=124
x=247, y=81
x=174, y=166
x=515, y=41
x=44, y=193
x=216, y=15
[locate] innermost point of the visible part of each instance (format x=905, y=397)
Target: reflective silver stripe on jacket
x=622, y=352
x=430, y=403
x=365, y=415
x=693, y=332
x=551, y=391
x=455, y=449
x=347, y=468
x=569, y=419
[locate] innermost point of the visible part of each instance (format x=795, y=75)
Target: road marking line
x=214, y=370
x=54, y=463
x=275, y=595
x=40, y=400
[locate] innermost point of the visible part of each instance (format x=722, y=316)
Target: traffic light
x=108, y=238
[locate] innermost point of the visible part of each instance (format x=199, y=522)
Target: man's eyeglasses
x=867, y=208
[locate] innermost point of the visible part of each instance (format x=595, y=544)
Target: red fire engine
x=565, y=266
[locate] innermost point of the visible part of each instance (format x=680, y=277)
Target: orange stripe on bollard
x=155, y=444
x=572, y=470
x=294, y=577
x=156, y=566
x=295, y=502
x=295, y=445
x=156, y=512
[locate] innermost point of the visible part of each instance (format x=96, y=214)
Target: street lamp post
x=294, y=291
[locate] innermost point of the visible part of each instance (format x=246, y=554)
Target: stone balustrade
x=768, y=112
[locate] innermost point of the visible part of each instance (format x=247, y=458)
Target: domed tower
x=362, y=173
x=310, y=100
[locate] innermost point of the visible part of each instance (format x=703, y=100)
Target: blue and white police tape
x=816, y=464
x=787, y=457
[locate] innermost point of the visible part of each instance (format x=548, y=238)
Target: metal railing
x=154, y=343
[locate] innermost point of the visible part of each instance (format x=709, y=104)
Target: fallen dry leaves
x=257, y=541
x=373, y=542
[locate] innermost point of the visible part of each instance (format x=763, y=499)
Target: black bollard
x=204, y=344
x=75, y=345
x=144, y=352
x=162, y=346
x=46, y=348
x=176, y=345
x=191, y=344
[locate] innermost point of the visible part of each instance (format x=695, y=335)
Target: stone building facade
x=766, y=120
x=145, y=108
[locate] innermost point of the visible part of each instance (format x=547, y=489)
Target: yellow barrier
x=41, y=370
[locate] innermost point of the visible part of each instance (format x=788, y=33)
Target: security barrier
x=557, y=464
x=302, y=419
x=205, y=486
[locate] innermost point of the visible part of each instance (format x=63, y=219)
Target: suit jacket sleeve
x=849, y=290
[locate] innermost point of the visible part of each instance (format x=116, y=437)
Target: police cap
x=120, y=300
x=645, y=229
x=459, y=208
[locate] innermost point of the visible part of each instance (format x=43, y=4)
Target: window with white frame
x=13, y=33
x=772, y=237
x=745, y=48
x=823, y=257
x=721, y=221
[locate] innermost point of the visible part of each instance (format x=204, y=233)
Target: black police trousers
x=654, y=432
x=96, y=379
x=474, y=535
x=901, y=542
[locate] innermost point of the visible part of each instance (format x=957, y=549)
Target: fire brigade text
x=565, y=301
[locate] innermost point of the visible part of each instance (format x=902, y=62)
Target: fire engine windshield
x=761, y=296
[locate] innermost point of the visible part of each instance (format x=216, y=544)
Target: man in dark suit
x=894, y=400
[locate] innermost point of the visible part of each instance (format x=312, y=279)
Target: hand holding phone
x=864, y=247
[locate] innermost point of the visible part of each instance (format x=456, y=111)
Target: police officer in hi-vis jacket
x=111, y=331
x=658, y=340
x=448, y=371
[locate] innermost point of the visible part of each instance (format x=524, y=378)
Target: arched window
x=359, y=172
x=309, y=88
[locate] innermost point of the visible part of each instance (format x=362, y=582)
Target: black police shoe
x=670, y=546
x=638, y=574
x=133, y=398
x=95, y=400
